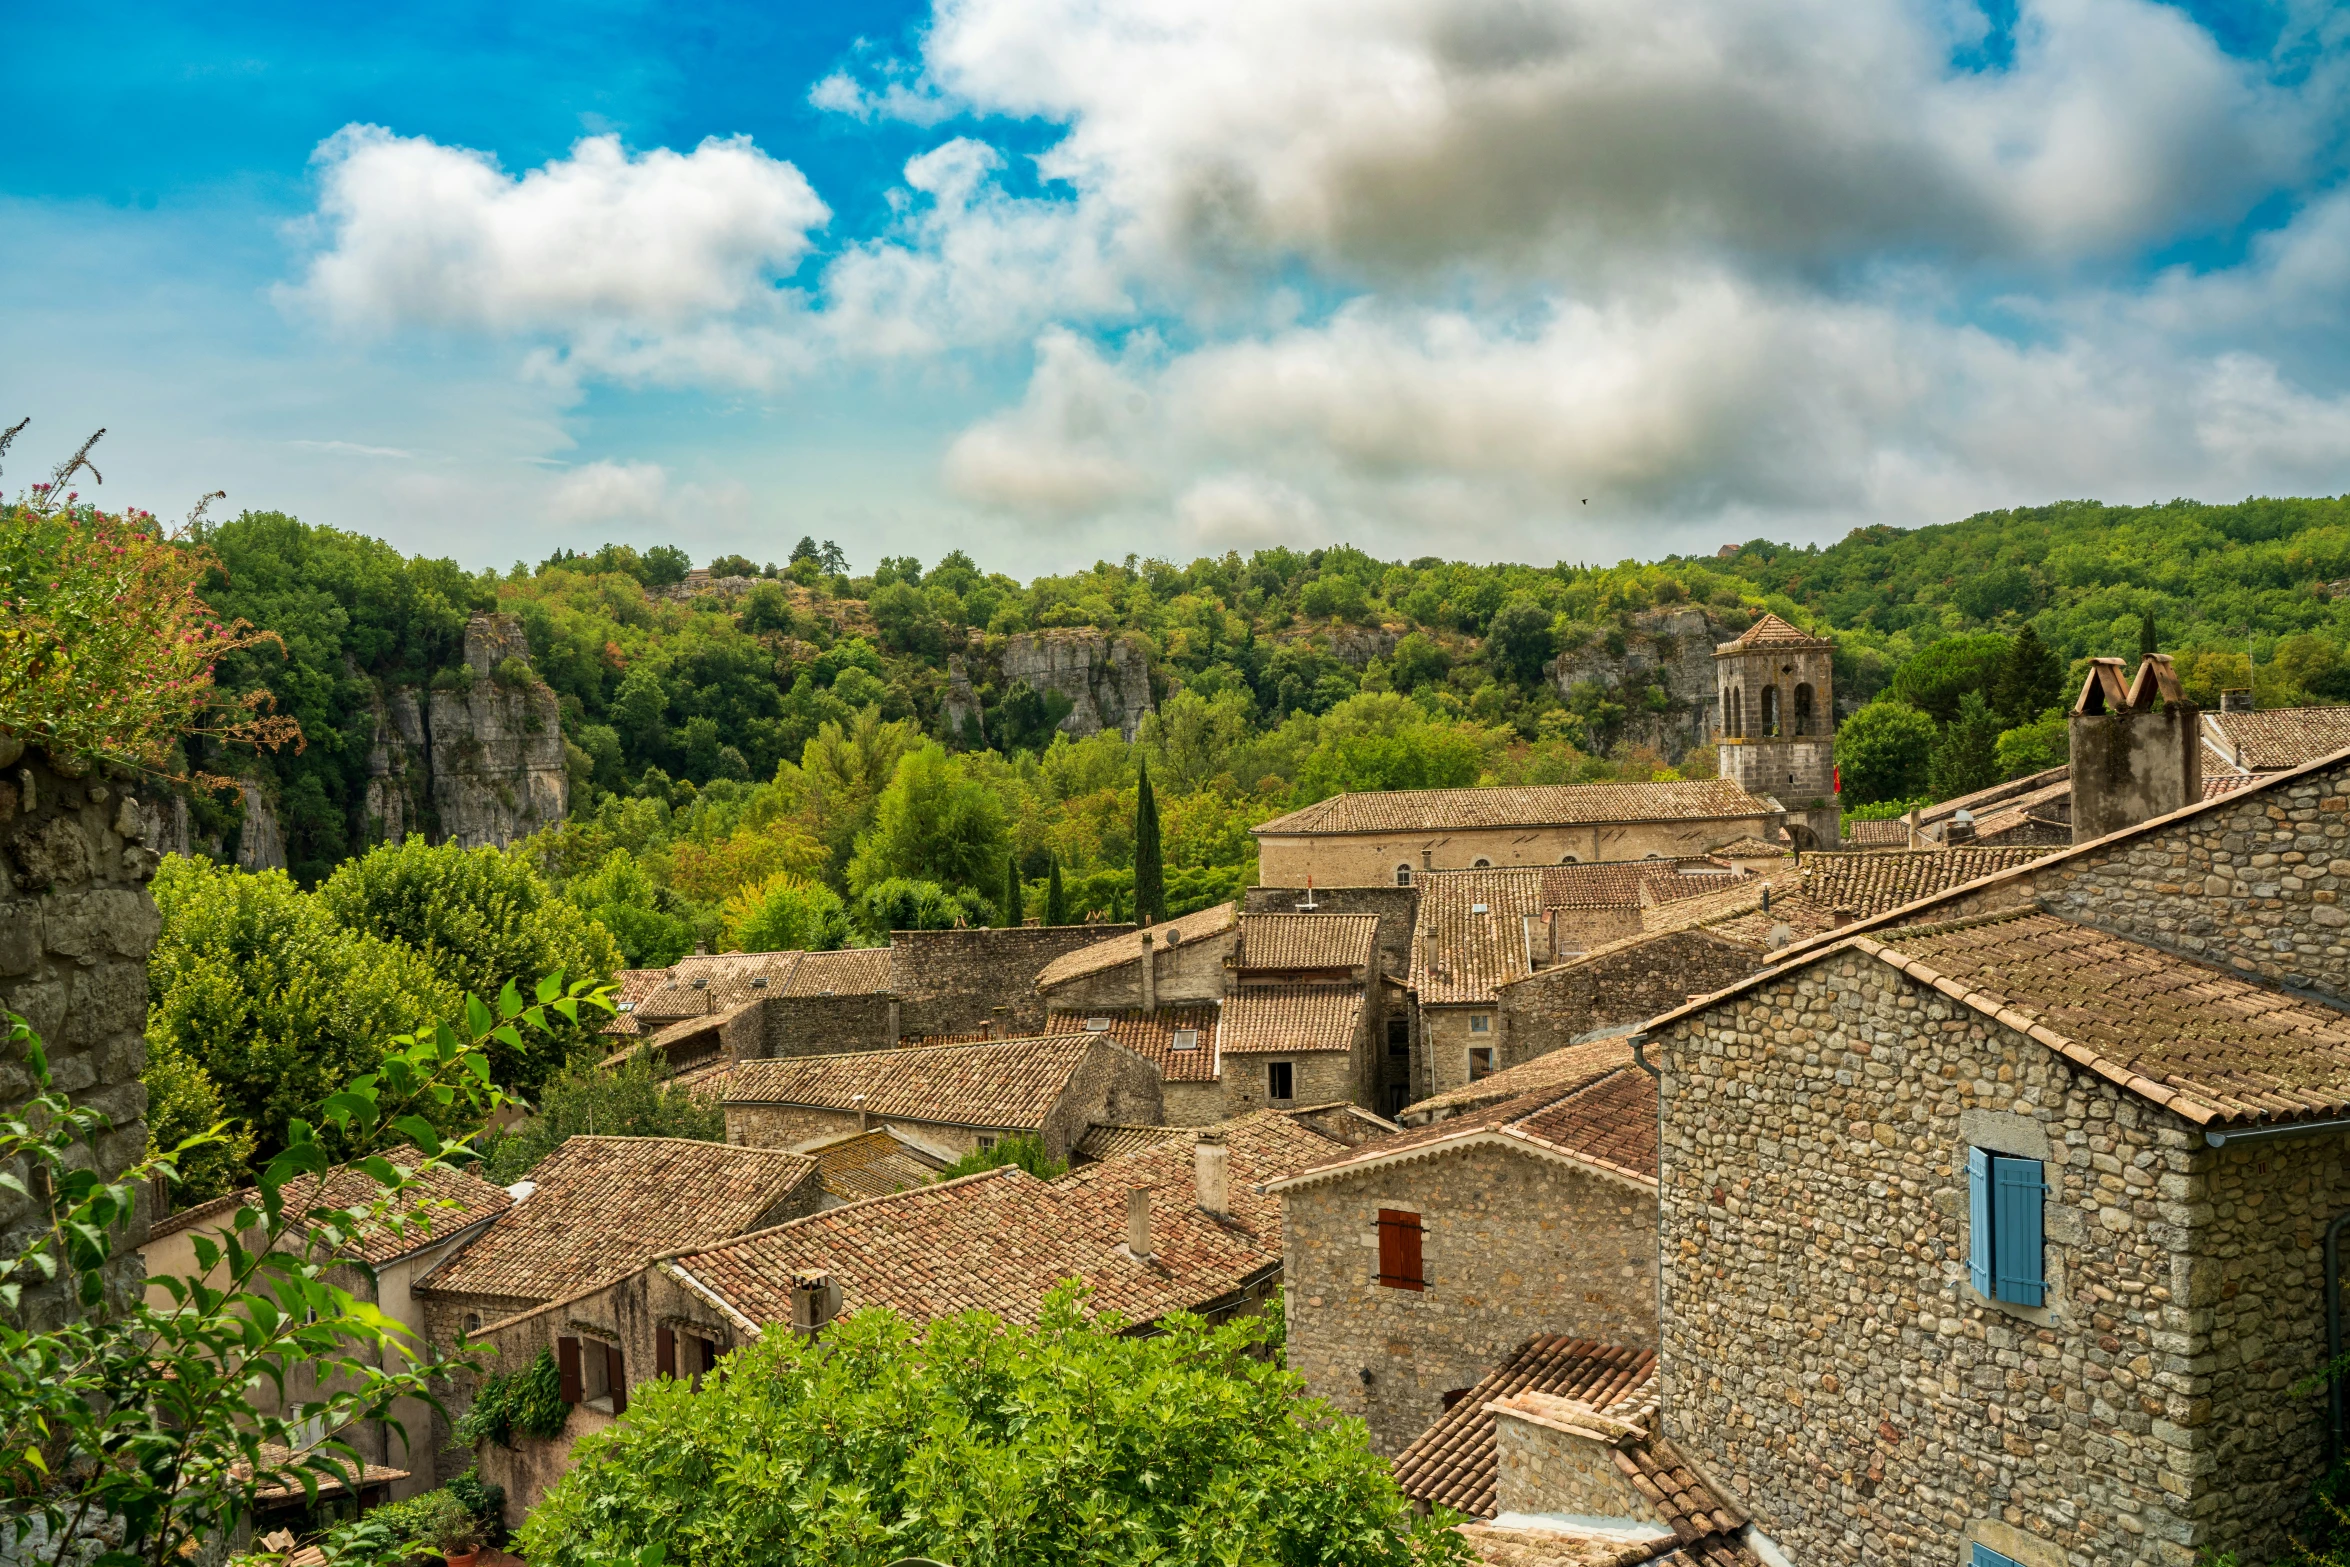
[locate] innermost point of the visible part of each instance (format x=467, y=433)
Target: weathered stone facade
x=76, y=925
x=1557, y=1006
x=1513, y=1244
x=1826, y=1357
x=1335, y=860
x=958, y=981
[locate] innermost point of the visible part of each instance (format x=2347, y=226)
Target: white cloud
x=1068, y=449
x=609, y=492
x=637, y=265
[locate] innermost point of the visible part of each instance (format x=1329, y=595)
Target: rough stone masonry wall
x=1557, y=1006
x=1112, y=1086
x=1514, y=1244
x=1539, y=1469
x=954, y=981
x=1826, y=1357
x=826, y=1025
x=1319, y=1077
x=76, y=925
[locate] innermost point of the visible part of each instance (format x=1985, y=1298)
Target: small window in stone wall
x=1986, y=1557
x=1480, y=863
x=1480, y=1022
x=1403, y=875
x=1280, y=1080
x=986, y=1141
x=1400, y=1266
x=1480, y=1062
x=2005, y=1198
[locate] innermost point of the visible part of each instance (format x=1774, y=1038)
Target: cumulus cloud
x=636, y=264
x=609, y=492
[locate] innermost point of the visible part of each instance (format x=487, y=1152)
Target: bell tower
x=1775, y=724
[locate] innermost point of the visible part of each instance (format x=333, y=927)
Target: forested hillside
x=878, y=736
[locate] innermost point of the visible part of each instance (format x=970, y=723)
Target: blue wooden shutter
x=1987, y=1557
x=2015, y=1198
x=1978, y=1170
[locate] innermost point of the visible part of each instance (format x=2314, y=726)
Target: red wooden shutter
x=1399, y=1250
x=617, y=1374
x=567, y=1366
x=665, y=1353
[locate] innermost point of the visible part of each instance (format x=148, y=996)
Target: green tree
x=1883, y=752
x=633, y=1099
x=1518, y=640
x=1056, y=897
x=1420, y=660
x=2035, y=747
x=901, y=904
x=2149, y=638
x=1967, y=756
x=2030, y=681
x=786, y=913
x=934, y=822
x=623, y=897
x=1150, y=880
x=183, y=1103
x=1015, y=901
x=1025, y=1151
x=255, y=983
x=1934, y=681
x=481, y=918
x=988, y=1444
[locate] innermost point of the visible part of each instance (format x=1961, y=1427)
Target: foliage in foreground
x=988, y=1444
x=1026, y=1152
x=146, y=1432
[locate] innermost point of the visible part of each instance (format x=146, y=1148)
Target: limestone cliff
x=1105, y=678
x=494, y=743
x=1671, y=648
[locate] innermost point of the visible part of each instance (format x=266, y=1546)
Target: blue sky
x=1056, y=279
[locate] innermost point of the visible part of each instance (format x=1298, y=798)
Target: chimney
x=1138, y=1222
x=1150, y=976
x=1961, y=827
x=811, y=1301
x=2236, y=699
x=2137, y=749
x=1211, y=1164
x=1839, y=918
x=864, y=1121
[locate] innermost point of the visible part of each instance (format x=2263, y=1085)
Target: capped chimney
x=1150, y=976
x=2137, y=748
x=1211, y=1164
x=812, y=1301
x=1138, y=1222
x=864, y=1120
x=2236, y=699
x=1960, y=828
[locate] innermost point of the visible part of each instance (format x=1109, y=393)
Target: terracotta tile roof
x=1771, y=631
x=633, y=985
x=1893, y=834
x=1608, y=1122
x=851, y=971
x=2281, y=737
x=1471, y=935
x=997, y=1241
x=1110, y=952
x=870, y=1164
x=703, y=984
x=707, y=1079
x=443, y=1202
x=1012, y=1084
x=2211, y=1047
x=1870, y=883
x=2217, y=784
x=1453, y=1462
x=1633, y=883
x=1737, y=915
x=1308, y=941
x=1990, y=795
x=1151, y=1035
x=1543, y=805
x=275, y=1457
x=1565, y=1068
x=606, y=1204
x=1290, y=1019
x=1750, y=848
x=1110, y=1142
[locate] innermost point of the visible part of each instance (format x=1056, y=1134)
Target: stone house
x=1178, y=1225
x=1993, y=1225
x=451, y=1208
x=1387, y=839
x=1183, y=1042
x=1416, y=1262
x=948, y=1100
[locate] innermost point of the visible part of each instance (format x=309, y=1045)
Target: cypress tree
x=1014, y=908
x=1150, y=888
x=1967, y=757
x=2030, y=682
x=2146, y=638
x=1056, y=899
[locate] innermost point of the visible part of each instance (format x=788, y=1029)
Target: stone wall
x=1336, y=860
x=1539, y=1468
x=76, y=925
x=2130, y=767
x=1183, y=976
x=1514, y=1244
x=1826, y=1357
x=1112, y=1086
x=827, y=1025
x=1559, y=1005
x=1447, y=1037
x=955, y=981
x=1316, y=1078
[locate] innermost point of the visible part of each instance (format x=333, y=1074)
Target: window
x=592, y=1373
x=1986, y=1557
x=1400, y=1267
x=683, y=1355
x=1480, y=863
x=1280, y=1081
x=1770, y=710
x=1803, y=710
x=1567, y=859
x=1480, y=1063
x=1403, y=875
x=986, y=1141
x=1399, y=1036
x=1737, y=713
x=1480, y=1022
x=2004, y=1200
x=473, y=1322
x=1187, y=1039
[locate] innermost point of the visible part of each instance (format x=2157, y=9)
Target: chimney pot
x=1138, y=1222
x=811, y=1301
x=1211, y=1164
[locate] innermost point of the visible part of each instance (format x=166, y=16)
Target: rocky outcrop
x=1358, y=645
x=398, y=780
x=1671, y=646
x=494, y=743
x=1106, y=679
x=965, y=722
x=261, y=841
